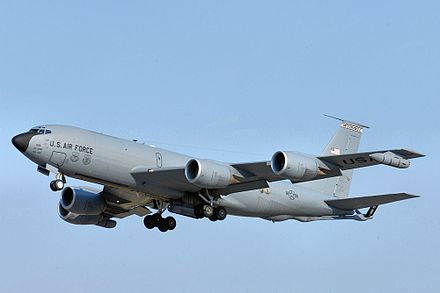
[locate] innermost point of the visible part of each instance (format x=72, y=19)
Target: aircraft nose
x=21, y=141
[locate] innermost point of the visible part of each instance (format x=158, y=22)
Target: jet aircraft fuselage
x=137, y=177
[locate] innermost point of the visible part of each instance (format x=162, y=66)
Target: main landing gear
x=58, y=183
x=208, y=210
x=219, y=213
x=156, y=220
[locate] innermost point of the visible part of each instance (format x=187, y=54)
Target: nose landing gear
x=58, y=183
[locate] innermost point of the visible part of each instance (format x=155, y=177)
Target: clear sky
x=246, y=77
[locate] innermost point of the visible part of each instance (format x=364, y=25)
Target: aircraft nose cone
x=21, y=141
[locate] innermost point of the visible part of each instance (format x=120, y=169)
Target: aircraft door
x=158, y=160
x=57, y=158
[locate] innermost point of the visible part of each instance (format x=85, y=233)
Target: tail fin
x=345, y=141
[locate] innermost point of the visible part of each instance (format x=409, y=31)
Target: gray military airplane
x=138, y=178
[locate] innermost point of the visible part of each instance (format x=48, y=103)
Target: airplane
x=137, y=179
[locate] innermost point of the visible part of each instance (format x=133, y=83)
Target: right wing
x=172, y=183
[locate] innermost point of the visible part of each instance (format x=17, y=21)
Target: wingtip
x=414, y=153
x=410, y=195
x=347, y=121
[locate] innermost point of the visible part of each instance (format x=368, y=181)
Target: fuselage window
x=48, y=131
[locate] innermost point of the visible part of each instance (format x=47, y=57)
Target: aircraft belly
x=279, y=199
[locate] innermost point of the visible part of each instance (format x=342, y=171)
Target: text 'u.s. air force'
x=70, y=146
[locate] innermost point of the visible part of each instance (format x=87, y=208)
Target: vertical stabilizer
x=345, y=141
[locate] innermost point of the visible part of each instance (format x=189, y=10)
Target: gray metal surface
x=137, y=177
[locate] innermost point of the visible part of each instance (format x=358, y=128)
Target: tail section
x=345, y=141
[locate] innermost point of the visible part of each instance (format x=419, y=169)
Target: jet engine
x=77, y=219
x=208, y=174
x=82, y=200
x=292, y=165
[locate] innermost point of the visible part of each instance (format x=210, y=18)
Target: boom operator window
x=41, y=130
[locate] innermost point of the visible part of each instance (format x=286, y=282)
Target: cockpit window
x=41, y=130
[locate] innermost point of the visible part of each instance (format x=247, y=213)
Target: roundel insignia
x=74, y=157
x=87, y=159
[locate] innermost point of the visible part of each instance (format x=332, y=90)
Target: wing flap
x=122, y=202
x=353, y=203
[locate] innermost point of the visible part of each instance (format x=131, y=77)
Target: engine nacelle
x=292, y=165
x=84, y=219
x=82, y=201
x=390, y=159
x=208, y=174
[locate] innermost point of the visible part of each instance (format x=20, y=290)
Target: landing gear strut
x=58, y=183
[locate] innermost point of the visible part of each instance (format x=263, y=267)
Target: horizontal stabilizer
x=353, y=203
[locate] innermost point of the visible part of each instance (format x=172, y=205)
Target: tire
x=213, y=218
x=52, y=186
x=148, y=222
x=170, y=223
x=208, y=211
x=157, y=219
x=220, y=213
x=163, y=226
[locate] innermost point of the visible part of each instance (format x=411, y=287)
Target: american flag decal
x=335, y=151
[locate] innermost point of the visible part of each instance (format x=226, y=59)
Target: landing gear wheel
x=213, y=218
x=59, y=184
x=208, y=210
x=163, y=226
x=52, y=186
x=157, y=219
x=170, y=223
x=220, y=213
x=56, y=185
x=148, y=222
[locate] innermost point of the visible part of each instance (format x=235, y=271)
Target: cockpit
x=40, y=130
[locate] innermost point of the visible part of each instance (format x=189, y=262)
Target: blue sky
x=247, y=77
